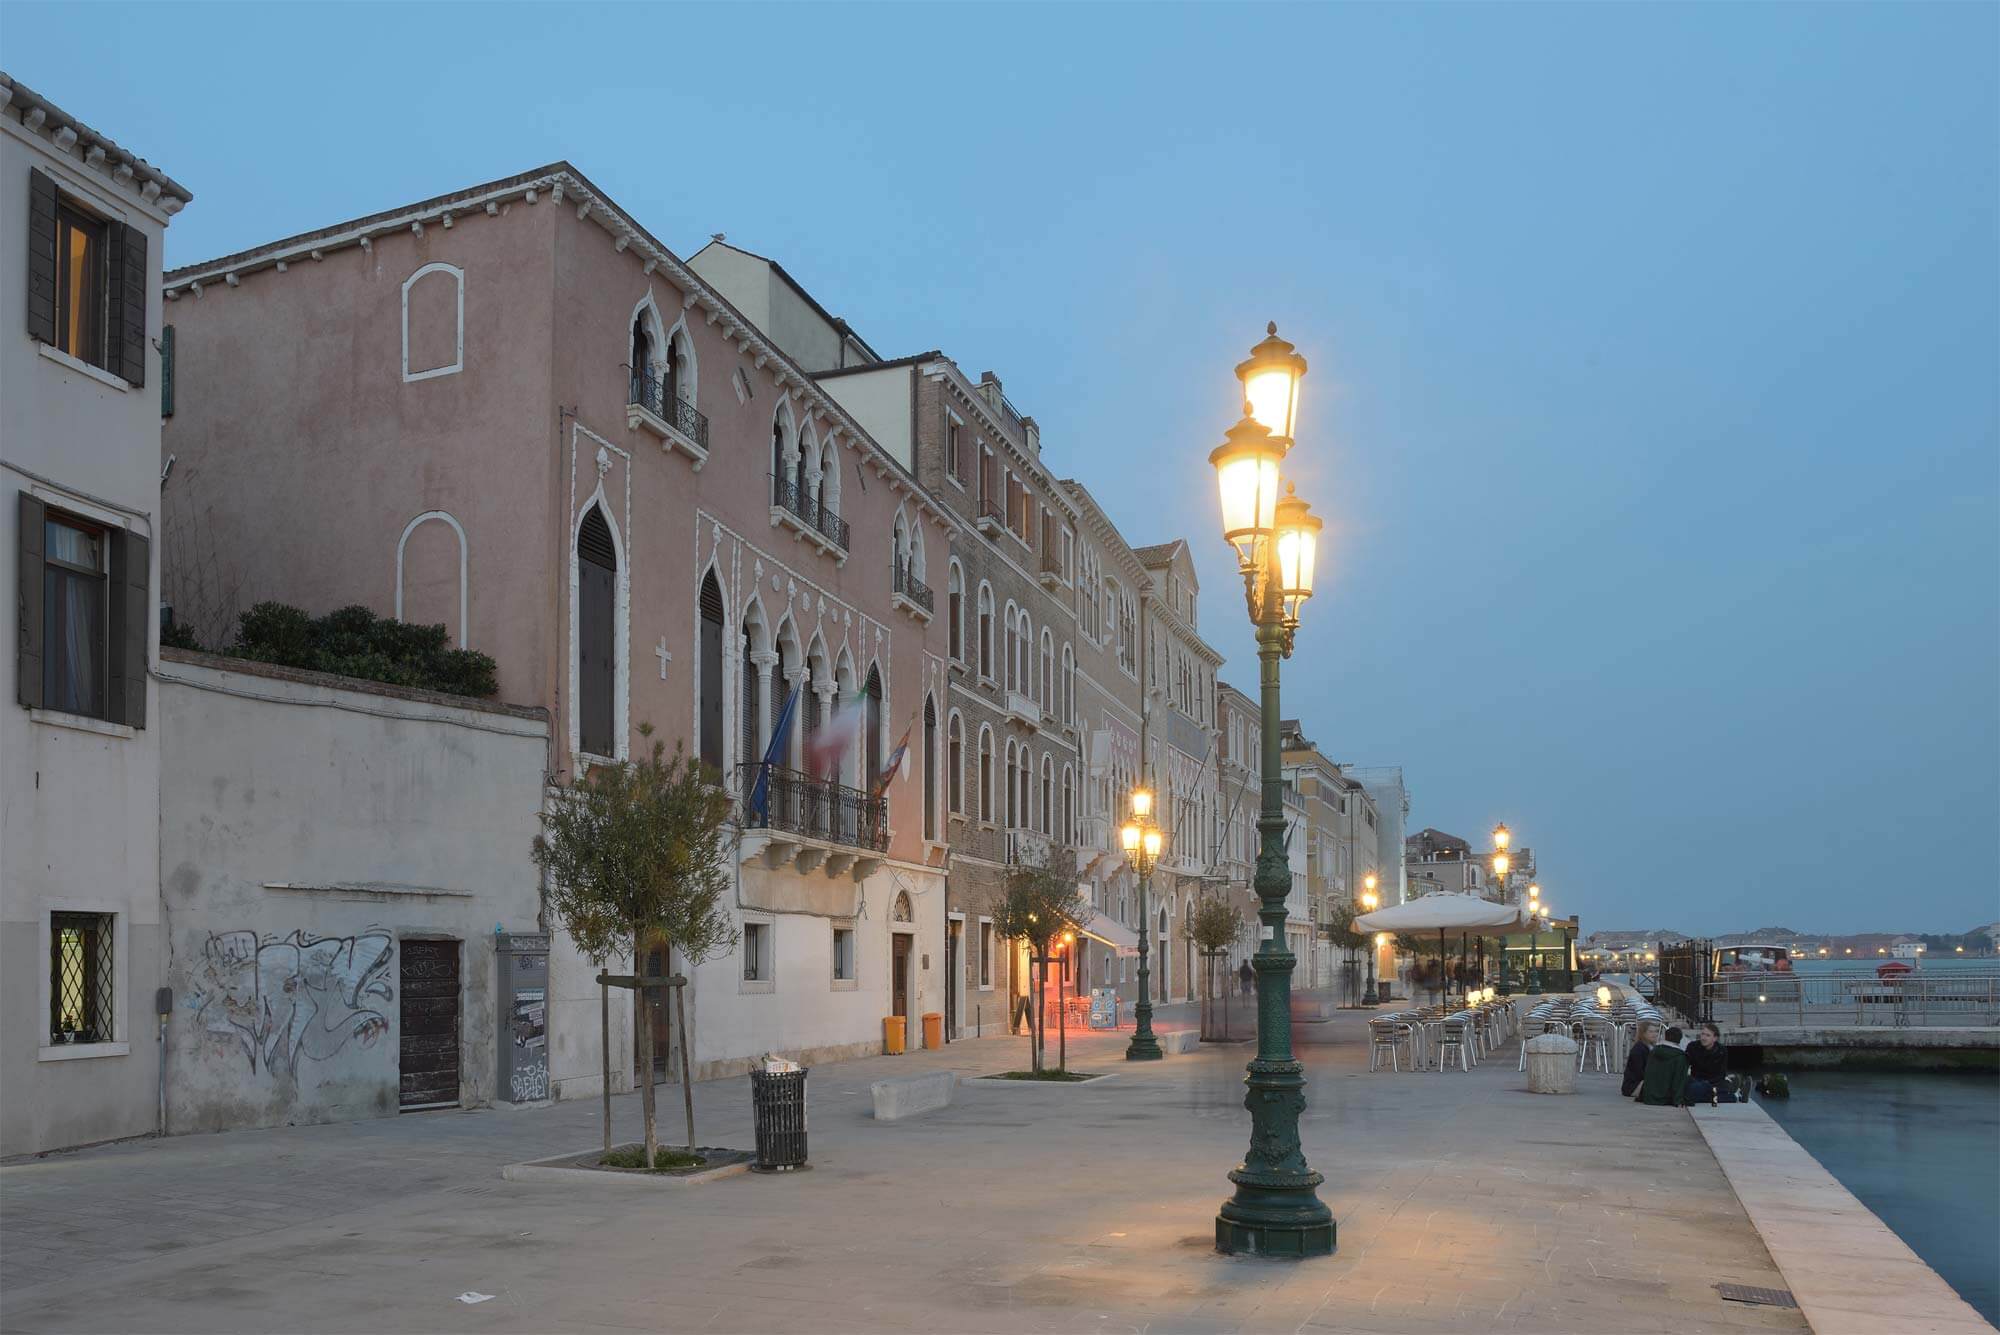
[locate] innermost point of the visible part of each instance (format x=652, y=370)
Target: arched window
x=930, y=769
x=1011, y=631
x=1013, y=793
x=596, y=638
x=1048, y=810
x=955, y=604
x=1024, y=781
x=955, y=766
x=827, y=495
x=1024, y=644
x=750, y=714
x=986, y=631
x=781, y=458
x=642, y=360
x=1048, y=671
x=1068, y=714
x=871, y=720
x=985, y=773
x=711, y=672
x=1069, y=805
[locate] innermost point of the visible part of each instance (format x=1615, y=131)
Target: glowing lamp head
x=1246, y=475
x=1142, y=802
x=1368, y=881
x=1271, y=383
x=1152, y=842
x=1298, y=551
x=1604, y=996
x=1502, y=836
x=1500, y=864
x=1369, y=899
x=1128, y=838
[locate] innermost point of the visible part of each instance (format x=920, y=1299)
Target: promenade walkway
x=1464, y=1204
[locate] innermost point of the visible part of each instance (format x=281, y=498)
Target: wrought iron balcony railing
x=650, y=392
x=911, y=587
x=786, y=494
x=817, y=808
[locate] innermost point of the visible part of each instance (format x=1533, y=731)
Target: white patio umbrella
x=1445, y=912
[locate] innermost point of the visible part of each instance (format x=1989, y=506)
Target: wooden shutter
x=41, y=270
x=167, y=377
x=125, y=332
x=128, y=628
x=28, y=601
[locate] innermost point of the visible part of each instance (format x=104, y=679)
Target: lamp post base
x=1143, y=1048
x=1284, y=1222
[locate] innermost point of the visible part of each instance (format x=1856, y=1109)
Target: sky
x=1654, y=401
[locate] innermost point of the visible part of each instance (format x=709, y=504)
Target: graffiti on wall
x=294, y=997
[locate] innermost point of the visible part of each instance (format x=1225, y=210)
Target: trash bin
x=892, y=1034
x=778, y=1102
x=933, y=1029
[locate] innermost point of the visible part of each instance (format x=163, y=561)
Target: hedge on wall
x=354, y=642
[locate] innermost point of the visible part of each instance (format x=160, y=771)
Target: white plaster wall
x=389, y=817
x=78, y=808
x=805, y=1014
x=881, y=401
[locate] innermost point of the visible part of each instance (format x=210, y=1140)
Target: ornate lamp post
x=1370, y=901
x=1142, y=839
x=1276, y=1210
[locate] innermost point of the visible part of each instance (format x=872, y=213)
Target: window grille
x=80, y=975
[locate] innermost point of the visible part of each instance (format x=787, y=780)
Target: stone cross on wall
x=660, y=652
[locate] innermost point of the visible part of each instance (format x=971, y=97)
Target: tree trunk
x=1038, y=982
x=604, y=1014
x=687, y=1090
x=646, y=1069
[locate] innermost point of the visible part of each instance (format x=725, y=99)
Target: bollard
x=1552, y=1064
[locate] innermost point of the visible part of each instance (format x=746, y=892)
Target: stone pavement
x=1464, y=1204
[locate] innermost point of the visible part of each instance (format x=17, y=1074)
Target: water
x=1930, y=964
x=1920, y=1150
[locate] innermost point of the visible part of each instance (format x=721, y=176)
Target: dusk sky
x=1654, y=400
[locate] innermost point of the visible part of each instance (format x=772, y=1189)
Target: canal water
x=1920, y=1150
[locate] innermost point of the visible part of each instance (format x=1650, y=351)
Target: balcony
x=669, y=416
x=811, y=824
x=807, y=517
x=991, y=519
x=1028, y=848
x=1022, y=707
x=1052, y=574
x=911, y=593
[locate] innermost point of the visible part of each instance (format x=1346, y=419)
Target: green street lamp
x=1142, y=840
x=1276, y=1210
x=1370, y=901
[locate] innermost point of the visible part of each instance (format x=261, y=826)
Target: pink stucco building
x=511, y=410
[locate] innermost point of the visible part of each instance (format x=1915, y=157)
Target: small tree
x=638, y=851
x=1339, y=929
x=1214, y=926
x=1039, y=905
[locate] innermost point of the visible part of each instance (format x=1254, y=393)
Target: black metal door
x=429, y=1048
x=954, y=953
x=900, y=981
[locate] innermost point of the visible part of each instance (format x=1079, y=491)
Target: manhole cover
x=1743, y=1293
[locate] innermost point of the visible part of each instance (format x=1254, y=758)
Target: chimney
x=1034, y=434
x=989, y=386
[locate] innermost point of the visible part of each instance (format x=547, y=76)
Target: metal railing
x=1754, y=1000
x=786, y=494
x=911, y=587
x=817, y=808
x=990, y=509
x=650, y=392
x=1683, y=977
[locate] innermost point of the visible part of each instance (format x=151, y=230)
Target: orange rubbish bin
x=892, y=1034
x=933, y=1029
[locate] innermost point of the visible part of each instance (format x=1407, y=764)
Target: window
x=1049, y=672
x=1009, y=655
x=86, y=616
x=1013, y=790
x=756, y=952
x=986, y=632
x=86, y=282
x=985, y=953
x=955, y=766
x=80, y=976
x=596, y=584
x=1048, y=796
x=871, y=722
x=985, y=773
x=953, y=431
x=843, y=954
x=930, y=769
x=955, y=603
x=711, y=673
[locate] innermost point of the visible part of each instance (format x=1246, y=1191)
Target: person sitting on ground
x=1666, y=1073
x=1635, y=1061
x=1708, y=1068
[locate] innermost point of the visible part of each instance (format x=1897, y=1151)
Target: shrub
x=354, y=642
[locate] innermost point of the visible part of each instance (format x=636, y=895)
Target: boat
x=1730, y=961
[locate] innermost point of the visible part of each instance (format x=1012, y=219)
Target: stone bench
x=1176, y=1041
x=908, y=1095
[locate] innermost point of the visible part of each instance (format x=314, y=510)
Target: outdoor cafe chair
x=1598, y=1036
x=1454, y=1035
x=1393, y=1036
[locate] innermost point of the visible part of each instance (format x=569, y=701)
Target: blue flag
x=760, y=793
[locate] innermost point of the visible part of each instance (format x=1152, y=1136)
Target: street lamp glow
x=1128, y=837
x=1271, y=383
x=1603, y=996
x=1502, y=836
x=1500, y=864
x=1142, y=802
x=1246, y=476
x=1298, y=552
x=1152, y=842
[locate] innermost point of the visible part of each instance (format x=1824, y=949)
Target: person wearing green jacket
x=1666, y=1073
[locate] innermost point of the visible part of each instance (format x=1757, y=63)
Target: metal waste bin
x=778, y=1100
